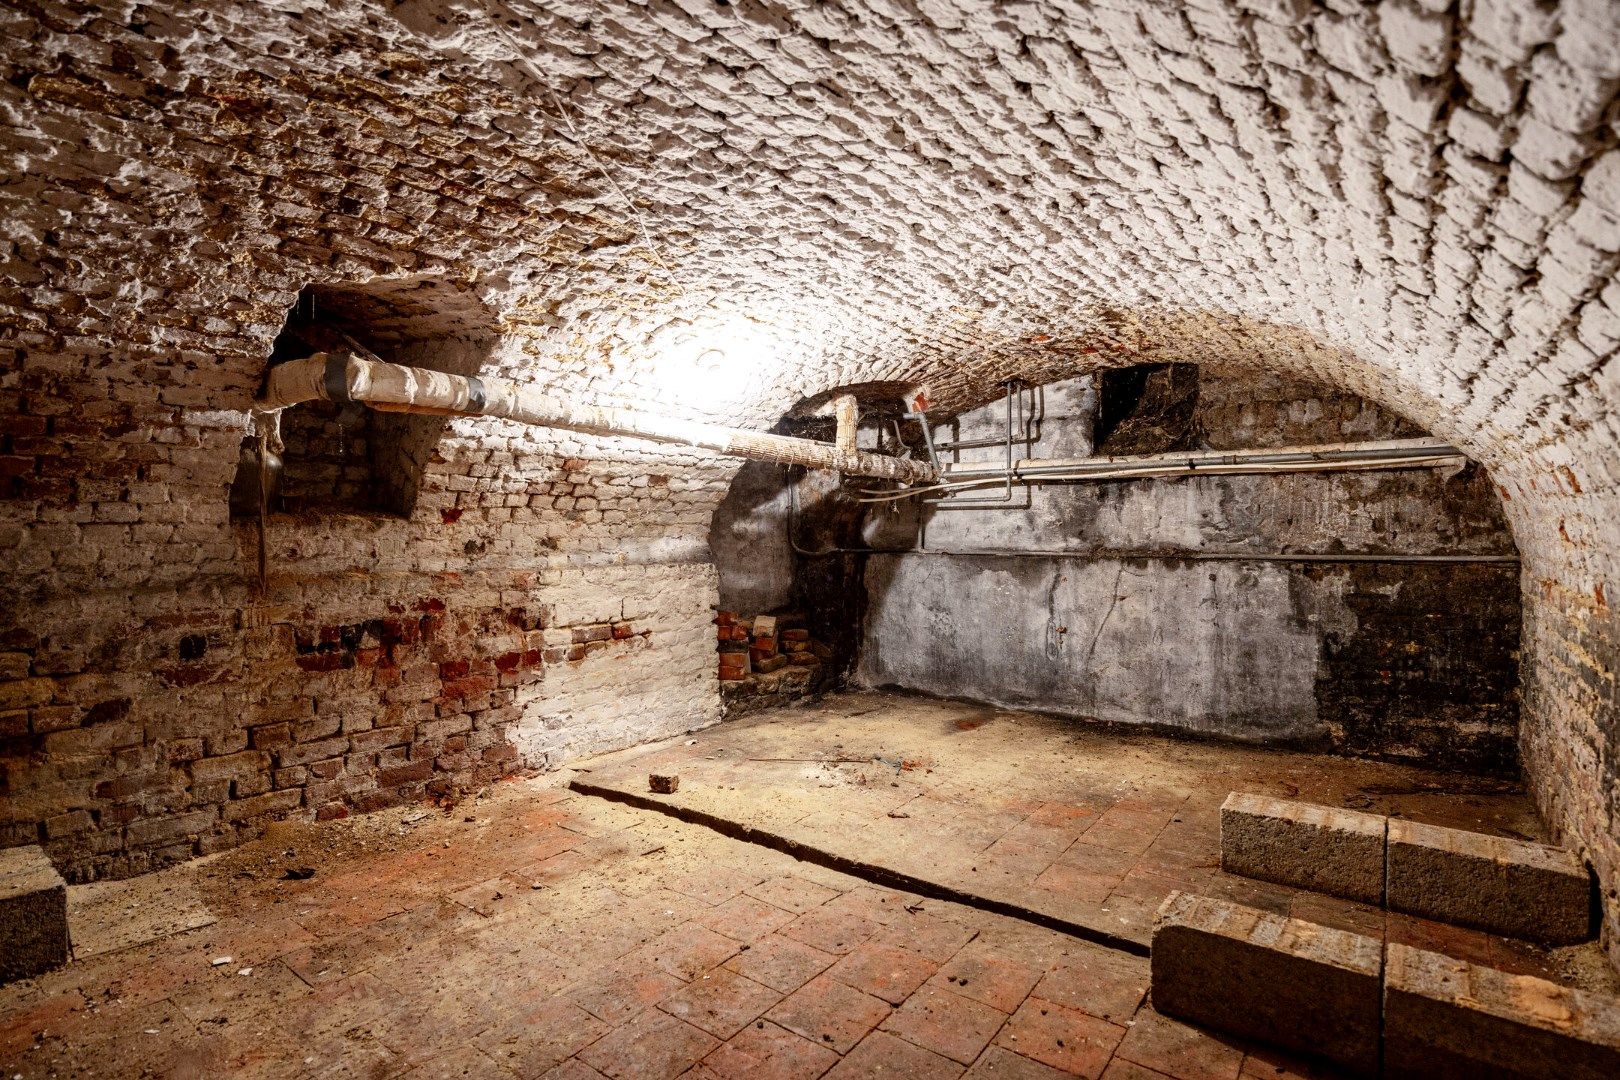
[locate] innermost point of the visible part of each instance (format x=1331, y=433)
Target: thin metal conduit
x=1195, y=556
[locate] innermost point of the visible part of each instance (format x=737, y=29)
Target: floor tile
x=981, y=972
x=653, y=1046
x=1179, y=1049
x=765, y=1051
x=543, y=1037
x=572, y=1069
x=881, y=1054
x=831, y=930
x=1065, y=1039
x=884, y=971
x=1098, y=982
x=829, y=1013
x=997, y=1063
x=781, y=962
x=936, y=938
x=1120, y=1069
x=721, y=1003
x=745, y=918
x=689, y=950
x=622, y=993
x=793, y=894
x=946, y=1023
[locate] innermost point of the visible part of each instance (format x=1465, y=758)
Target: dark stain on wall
x=1430, y=674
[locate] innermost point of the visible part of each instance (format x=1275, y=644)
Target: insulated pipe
x=847, y=410
x=395, y=388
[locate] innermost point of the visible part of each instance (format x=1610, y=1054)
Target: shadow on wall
x=337, y=457
x=1368, y=613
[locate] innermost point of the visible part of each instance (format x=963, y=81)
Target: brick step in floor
x=1396, y=1011
x=1510, y=887
x=33, y=914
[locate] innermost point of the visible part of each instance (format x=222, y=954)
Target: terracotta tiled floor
x=1055, y=817
x=541, y=933
x=557, y=936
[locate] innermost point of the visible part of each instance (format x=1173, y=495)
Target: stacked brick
x=1414, y=201
x=767, y=660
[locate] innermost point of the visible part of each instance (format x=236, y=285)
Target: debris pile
x=768, y=660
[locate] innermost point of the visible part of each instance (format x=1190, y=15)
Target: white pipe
x=396, y=388
x=847, y=410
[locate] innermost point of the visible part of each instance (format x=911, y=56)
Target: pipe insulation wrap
x=396, y=387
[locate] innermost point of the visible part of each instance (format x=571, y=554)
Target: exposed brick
x=275, y=802
x=415, y=772
x=1219, y=193
x=272, y=736
x=148, y=832
x=306, y=753
x=229, y=767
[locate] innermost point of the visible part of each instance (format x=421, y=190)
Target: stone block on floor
x=1447, y=1018
x=33, y=914
x=1286, y=982
x=1320, y=848
x=1492, y=883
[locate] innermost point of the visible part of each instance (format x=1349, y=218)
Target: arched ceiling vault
x=1418, y=205
x=730, y=207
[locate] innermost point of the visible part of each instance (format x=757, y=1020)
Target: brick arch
x=910, y=192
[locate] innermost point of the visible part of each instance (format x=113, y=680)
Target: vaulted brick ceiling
x=1419, y=205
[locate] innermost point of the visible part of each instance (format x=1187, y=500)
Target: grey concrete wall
x=749, y=541
x=1210, y=647
x=1415, y=662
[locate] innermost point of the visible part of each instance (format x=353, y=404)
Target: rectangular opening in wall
x=331, y=457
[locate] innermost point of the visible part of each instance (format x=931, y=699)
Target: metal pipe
x=921, y=548
x=1005, y=501
x=1391, y=454
x=1211, y=556
x=396, y=388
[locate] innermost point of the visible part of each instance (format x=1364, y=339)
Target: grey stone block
x=1491, y=883
x=1287, y=982
x=1446, y=1018
x=1320, y=848
x=33, y=914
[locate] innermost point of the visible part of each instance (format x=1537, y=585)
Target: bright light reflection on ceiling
x=711, y=363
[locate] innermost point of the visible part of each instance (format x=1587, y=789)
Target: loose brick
x=1282, y=981
x=1508, y=887
x=1321, y=848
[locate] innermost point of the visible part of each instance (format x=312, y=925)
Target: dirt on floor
x=539, y=933
x=533, y=931
x=1089, y=827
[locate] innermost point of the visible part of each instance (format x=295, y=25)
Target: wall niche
x=336, y=457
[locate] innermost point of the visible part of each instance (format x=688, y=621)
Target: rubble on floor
x=767, y=661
